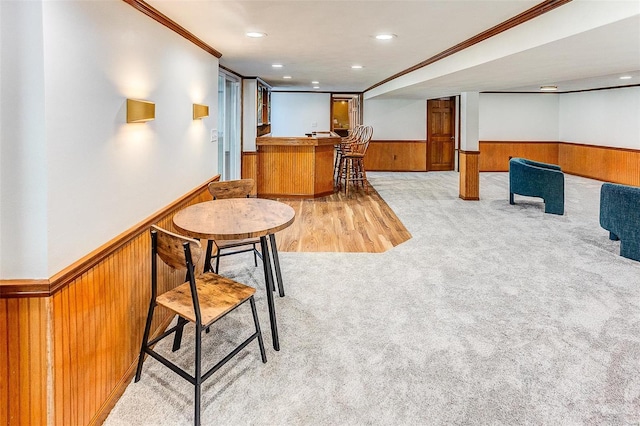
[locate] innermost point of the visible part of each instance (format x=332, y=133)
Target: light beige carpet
x=490, y=315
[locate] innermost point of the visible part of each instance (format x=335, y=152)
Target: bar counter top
x=319, y=139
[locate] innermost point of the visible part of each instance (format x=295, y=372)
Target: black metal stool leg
x=145, y=339
x=257, y=324
x=198, y=376
x=177, y=339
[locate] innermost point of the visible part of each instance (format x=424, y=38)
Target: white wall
x=294, y=114
x=396, y=119
x=603, y=117
x=103, y=175
x=23, y=167
x=249, y=111
x=519, y=117
x=469, y=121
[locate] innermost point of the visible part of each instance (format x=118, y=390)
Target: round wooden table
x=242, y=218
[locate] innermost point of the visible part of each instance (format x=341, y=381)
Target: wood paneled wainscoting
x=397, y=156
x=618, y=165
x=69, y=345
x=495, y=154
x=250, y=167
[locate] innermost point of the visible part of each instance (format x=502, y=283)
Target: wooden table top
x=234, y=218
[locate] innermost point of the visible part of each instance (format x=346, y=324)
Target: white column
x=469, y=146
x=469, y=121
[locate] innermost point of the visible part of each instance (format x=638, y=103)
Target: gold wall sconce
x=140, y=111
x=200, y=111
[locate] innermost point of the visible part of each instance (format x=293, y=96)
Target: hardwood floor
x=358, y=223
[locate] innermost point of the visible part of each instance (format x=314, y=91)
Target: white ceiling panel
x=320, y=40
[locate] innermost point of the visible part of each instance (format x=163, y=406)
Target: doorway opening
x=345, y=112
x=229, y=140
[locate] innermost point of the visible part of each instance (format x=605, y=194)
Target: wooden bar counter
x=296, y=167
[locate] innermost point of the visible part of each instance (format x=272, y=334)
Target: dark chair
x=219, y=190
x=201, y=300
x=535, y=179
x=620, y=215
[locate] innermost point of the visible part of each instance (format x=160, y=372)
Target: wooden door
x=440, y=134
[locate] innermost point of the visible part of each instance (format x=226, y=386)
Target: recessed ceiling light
x=625, y=77
x=548, y=88
x=386, y=36
x=356, y=67
x=316, y=87
x=277, y=65
x=287, y=77
x=315, y=82
x=255, y=34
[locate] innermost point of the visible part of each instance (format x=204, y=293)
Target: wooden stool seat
x=217, y=296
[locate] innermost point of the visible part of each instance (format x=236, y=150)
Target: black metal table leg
x=268, y=278
x=276, y=264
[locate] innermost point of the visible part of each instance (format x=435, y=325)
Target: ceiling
x=320, y=40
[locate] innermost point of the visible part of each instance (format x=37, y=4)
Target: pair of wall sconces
x=142, y=111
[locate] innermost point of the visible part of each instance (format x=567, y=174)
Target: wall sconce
x=140, y=111
x=200, y=111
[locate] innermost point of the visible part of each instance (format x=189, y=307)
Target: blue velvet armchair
x=534, y=179
x=620, y=215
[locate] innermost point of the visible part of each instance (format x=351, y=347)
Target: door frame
x=346, y=96
x=223, y=140
x=454, y=126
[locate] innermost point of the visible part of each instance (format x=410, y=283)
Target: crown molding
x=527, y=15
x=156, y=15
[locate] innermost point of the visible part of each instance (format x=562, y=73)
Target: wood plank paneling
x=619, y=165
x=469, y=175
x=23, y=361
x=278, y=166
x=323, y=167
x=392, y=155
x=608, y=164
x=495, y=154
x=250, y=168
